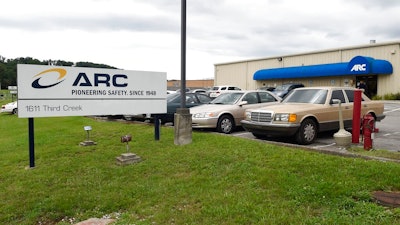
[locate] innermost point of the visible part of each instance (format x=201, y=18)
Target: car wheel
x=15, y=111
x=225, y=124
x=307, y=132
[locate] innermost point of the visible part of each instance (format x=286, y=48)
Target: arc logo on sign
x=61, y=74
x=117, y=80
x=359, y=67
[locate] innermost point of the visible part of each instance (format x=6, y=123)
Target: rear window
x=266, y=97
x=350, y=95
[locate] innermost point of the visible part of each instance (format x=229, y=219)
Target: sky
x=145, y=35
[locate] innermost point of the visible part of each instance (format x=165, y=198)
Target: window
x=266, y=97
x=203, y=99
x=190, y=98
x=350, y=95
x=251, y=98
x=338, y=94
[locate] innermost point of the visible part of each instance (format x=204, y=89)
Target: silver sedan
x=227, y=110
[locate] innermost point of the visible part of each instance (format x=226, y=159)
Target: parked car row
x=302, y=114
x=174, y=102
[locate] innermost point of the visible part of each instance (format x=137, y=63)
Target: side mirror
x=335, y=101
x=243, y=103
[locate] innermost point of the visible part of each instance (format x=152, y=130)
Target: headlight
x=285, y=117
x=203, y=115
x=247, y=115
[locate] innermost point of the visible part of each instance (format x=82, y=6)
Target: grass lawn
x=215, y=180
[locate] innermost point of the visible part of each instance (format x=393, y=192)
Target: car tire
x=307, y=132
x=225, y=124
x=15, y=111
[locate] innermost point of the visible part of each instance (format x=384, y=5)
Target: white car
x=217, y=90
x=11, y=107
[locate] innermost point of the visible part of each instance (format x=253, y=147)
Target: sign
x=47, y=91
x=360, y=65
x=12, y=88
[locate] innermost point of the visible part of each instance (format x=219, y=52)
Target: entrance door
x=372, y=84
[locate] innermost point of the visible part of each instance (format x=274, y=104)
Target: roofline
x=314, y=52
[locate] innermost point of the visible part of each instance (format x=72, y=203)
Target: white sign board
x=47, y=91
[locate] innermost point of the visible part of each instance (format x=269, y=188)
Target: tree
x=8, y=67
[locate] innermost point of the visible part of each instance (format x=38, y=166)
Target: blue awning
x=359, y=65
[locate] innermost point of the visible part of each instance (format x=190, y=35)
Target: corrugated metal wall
x=241, y=73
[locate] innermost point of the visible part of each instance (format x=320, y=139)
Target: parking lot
x=388, y=137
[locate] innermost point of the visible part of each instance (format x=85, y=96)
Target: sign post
x=31, y=143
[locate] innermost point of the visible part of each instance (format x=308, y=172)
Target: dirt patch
x=96, y=221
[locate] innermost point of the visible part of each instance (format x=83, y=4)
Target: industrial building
x=191, y=84
x=378, y=64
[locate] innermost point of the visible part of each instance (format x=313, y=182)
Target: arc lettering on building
x=359, y=65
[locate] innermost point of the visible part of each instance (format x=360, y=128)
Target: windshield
x=176, y=97
x=314, y=96
x=227, y=98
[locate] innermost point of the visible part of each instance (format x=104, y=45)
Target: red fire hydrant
x=368, y=130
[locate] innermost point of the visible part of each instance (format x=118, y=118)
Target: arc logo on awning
x=359, y=68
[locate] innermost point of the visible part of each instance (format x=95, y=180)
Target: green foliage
x=93, y=65
x=217, y=179
x=390, y=96
x=8, y=67
x=376, y=153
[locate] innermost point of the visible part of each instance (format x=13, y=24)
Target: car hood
x=290, y=107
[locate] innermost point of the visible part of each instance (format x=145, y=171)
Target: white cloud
x=145, y=35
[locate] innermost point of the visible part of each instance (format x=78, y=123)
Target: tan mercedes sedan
x=307, y=111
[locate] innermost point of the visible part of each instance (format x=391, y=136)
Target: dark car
x=174, y=102
x=266, y=88
x=284, y=89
